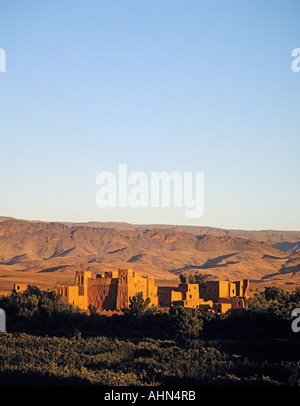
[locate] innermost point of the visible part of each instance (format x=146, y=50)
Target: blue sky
x=162, y=86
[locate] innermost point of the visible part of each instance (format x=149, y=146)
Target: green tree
x=191, y=278
x=295, y=295
x=199, y=278
x=92, y=310
x=196, y=278
x=275, y=293
x=182, y=278
x=186, y=323
x=34, y=303
x=138, y=305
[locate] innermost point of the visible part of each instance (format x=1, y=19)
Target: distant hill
x=286, y=240
x=46, y=254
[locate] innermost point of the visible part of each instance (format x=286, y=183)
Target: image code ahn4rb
x=172, y=395
x=133, y=397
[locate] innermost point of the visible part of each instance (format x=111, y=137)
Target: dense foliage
x=49, y=342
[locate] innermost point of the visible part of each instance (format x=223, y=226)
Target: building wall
x=226, y=294
x=193, y=303
x=131, y=283
x=175, y=296
x=164, y=294
x=242, y=287
x=215, y=289
x=225, y=289
x=109, y=291
x=190, y=291
x=102, y=293
x=151, y=290
x=81, y=280
x=20, y=287
x=235, y=302
x=186, y=295
x=70, y=294
x=221, y=307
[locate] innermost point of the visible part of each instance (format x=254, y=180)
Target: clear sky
x=162, y=85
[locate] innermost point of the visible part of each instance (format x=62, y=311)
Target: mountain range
x=49, y=253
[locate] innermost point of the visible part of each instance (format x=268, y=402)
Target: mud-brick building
x=186, y=295
x=226, y=294
x=219, y=296
x=113, y=290
x=108, y=291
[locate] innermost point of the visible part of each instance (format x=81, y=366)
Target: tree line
x=49, y=342
x=268, y=314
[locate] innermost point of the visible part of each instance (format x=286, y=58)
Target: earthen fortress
x=113, y=291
